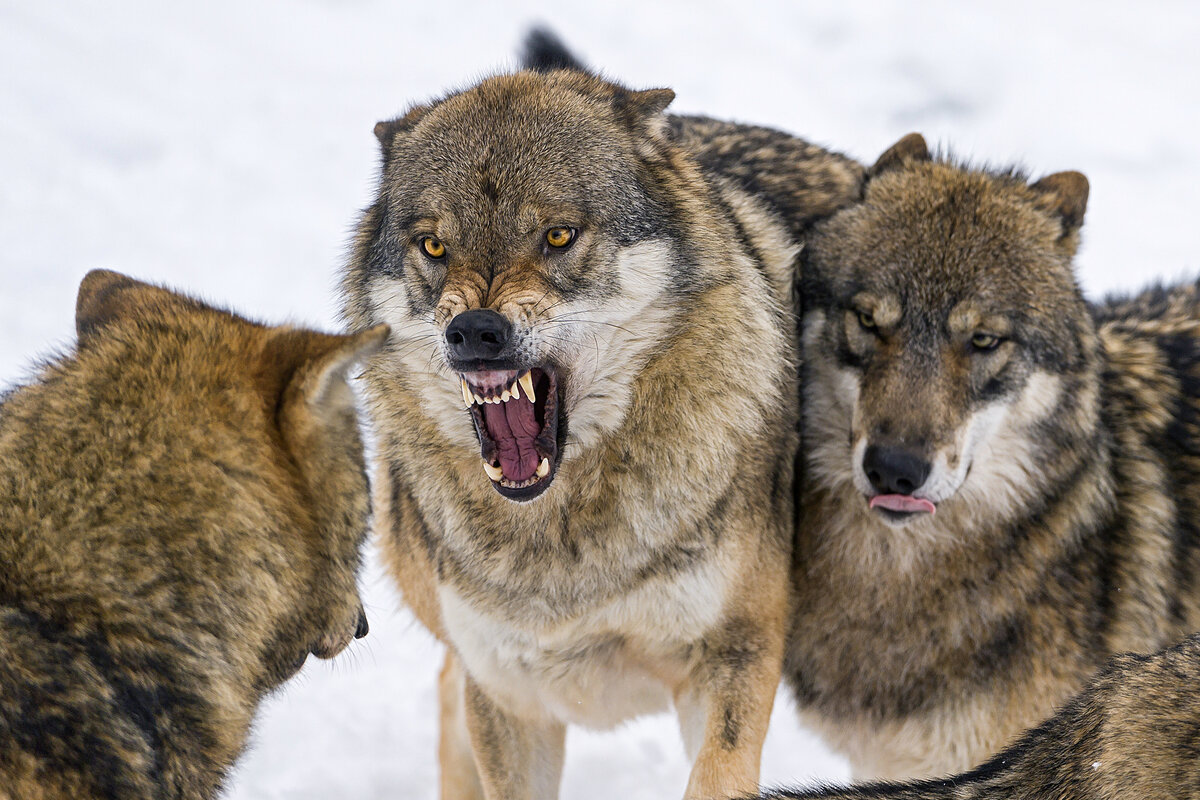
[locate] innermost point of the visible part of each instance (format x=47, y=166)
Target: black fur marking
x=1179, y=447
x=542, y=51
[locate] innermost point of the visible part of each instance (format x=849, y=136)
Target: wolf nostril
x=362, y=629
x=895, y=470
x=478, y=334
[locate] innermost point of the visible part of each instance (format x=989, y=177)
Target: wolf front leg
x=724, y=706
x=517, y=759
x=459, y=776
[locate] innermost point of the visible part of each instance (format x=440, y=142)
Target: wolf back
x=1129, y=734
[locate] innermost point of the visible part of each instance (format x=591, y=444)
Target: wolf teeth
x=466, y=390
x=495, y=473
x=543, y=468
x=526, y=382
x=479, y=400
x=513, y=391
x=505, y=396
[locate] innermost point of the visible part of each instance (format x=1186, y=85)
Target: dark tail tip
x=542, y=51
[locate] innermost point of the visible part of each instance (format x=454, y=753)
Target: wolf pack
x=664, y=410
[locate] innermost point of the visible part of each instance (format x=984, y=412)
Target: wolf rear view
x=182, y=503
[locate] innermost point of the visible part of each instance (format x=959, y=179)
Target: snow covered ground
x=225, y=147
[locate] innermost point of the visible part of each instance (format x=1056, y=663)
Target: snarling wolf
x=1001, y=482
x=182, y=503
x=587, y=416
x=1131, y=733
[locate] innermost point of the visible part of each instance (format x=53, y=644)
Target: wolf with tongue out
x=586, y=416
x=952, y=365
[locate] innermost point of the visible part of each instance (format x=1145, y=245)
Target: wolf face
x=513, y=240
x=943, y=324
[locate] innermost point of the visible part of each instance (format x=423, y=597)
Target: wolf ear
x=643, y=111
x=644, y=104
x=387, y=130
x=318, y=384
x=106, y=296
x=909, y=149
x=1064, y=194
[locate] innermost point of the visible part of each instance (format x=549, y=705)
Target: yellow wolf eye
x=867, y=320
x=985, y=341
x=432, y=246
x=560, y=237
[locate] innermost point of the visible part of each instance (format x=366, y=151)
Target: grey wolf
x=1131, y=733
x=586, y=417
x=182, y=503
x=1000, y=480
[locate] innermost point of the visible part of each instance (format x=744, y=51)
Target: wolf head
x=944, y=330
x=520, y=227
x=218, y=469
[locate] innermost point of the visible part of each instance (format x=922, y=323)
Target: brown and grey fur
x=182, y=503
x=1132, y=734
x=1065, y=466
x=653, y=568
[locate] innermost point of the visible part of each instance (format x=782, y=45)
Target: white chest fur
x=599, y=668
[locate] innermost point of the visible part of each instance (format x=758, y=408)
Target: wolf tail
x=542, y=51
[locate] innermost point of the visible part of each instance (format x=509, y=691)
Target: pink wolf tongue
x=513, y=427
x=902, y=502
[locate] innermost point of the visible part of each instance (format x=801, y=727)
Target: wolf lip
x=902, y=503
x=516, y=418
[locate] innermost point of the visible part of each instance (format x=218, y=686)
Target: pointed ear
x=320, y=380
x=1064, y=194
x=649, y=102
x=105, y=297
x=387, y=130
x=909, y=149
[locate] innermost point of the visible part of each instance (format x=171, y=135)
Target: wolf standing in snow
x=1001, y=483
x=182, y=503
x=587, y=418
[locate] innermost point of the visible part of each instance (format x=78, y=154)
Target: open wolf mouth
x=516, y=418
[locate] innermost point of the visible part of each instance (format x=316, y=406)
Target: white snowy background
x=225, y=147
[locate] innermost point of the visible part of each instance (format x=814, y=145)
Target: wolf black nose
x=894, y=470
x=481, y=333
x=362, y=628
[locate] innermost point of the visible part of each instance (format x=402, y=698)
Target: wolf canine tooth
x=466, y=390
x=543, y=468
x=526, y=382
x=495, y=473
